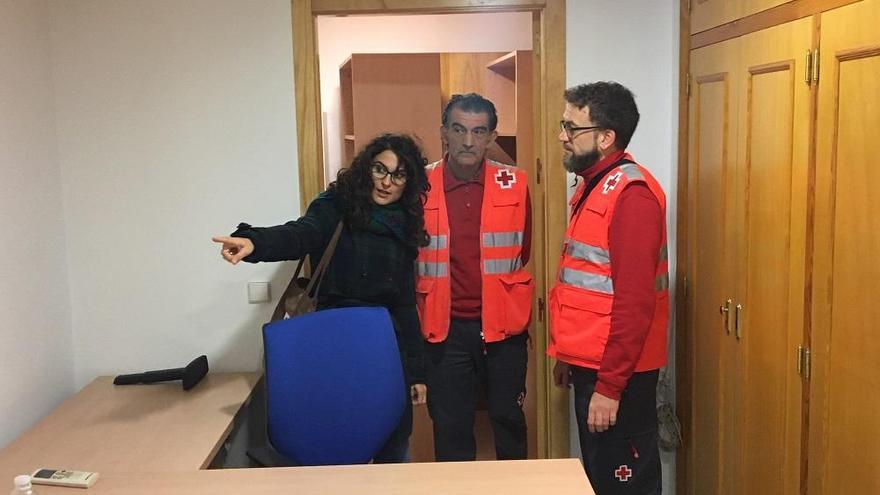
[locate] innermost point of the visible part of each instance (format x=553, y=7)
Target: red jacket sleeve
x=634, y=239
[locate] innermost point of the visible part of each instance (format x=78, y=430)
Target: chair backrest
x=334, y=385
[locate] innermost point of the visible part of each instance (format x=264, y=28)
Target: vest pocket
x=517, y=290
x=582, y=323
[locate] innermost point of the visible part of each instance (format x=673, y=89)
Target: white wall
x=636, y=44
x=36, y=365
x=175, y=122
x=339, y=37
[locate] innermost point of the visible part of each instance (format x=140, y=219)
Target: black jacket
x=367, y=269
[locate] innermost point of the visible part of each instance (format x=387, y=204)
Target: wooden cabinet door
x=772, y=163
x=748, y=160
x=397, y=92
x=706, y=14
x=844, y=439
x=710, y=253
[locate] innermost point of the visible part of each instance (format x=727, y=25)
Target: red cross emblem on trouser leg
x=505, y=179
x=623, y=473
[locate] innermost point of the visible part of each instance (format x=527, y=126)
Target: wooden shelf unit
x=390, y=92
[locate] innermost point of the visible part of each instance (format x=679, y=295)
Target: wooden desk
x=157, y=439
x=107, y=428
x=551, y=477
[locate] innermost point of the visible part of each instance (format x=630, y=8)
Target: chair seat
x=335, y=385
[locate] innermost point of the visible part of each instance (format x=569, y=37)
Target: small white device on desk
x=64, y=477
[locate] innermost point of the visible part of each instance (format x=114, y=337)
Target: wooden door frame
x=549, y=80
x=683, y=341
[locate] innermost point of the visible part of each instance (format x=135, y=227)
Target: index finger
x=222, y=239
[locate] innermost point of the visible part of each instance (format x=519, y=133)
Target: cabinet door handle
x=816, y=66
x=808, y=367
x=800, y=359
x=724, y=310
x=738, y=326
x=808, y=67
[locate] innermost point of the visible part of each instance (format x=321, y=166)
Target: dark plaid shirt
x=367, y=268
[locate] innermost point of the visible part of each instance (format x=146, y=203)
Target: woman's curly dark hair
x=355, y=184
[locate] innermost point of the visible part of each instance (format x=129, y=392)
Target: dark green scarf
x=388, y=219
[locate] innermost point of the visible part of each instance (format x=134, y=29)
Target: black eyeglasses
x=568, y=128
x=379, y=172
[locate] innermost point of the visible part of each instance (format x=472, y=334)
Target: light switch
x=258, y=292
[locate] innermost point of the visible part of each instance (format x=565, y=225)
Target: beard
x=578, y=163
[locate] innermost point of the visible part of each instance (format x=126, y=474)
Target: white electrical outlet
x=258, y=292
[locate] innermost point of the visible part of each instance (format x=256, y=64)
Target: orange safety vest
x=581, y=300
x=507, y=286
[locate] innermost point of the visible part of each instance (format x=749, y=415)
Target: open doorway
x=549, y=430
x=372, y=83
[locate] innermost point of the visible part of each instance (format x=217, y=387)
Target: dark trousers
x=456, y=368
x=625, y=459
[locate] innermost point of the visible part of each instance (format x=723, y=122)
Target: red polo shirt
x=464, y=203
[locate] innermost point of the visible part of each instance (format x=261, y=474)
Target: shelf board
x=503, y=63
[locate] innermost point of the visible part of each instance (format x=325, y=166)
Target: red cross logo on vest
x=611, y=182
x=505, y=179
x=623, y=473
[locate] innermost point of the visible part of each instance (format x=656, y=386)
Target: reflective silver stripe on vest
x=661, y=283
x=632, y=171
x=504, y=265
x=586, y=280
x=587, y=252
x=427, y=269
x=502, y=239
x=437, y=242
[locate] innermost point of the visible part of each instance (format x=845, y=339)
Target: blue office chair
x=334, y=385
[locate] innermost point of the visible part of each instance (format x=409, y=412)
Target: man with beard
x=609, y=308
x=473, y=292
